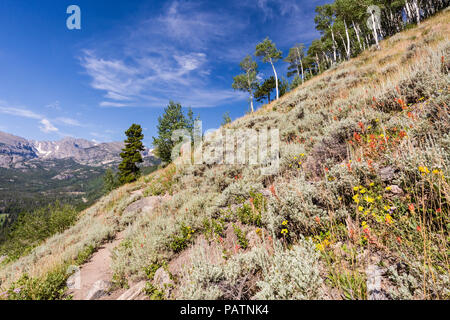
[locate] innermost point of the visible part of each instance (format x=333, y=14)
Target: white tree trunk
x=375, y=34
x=357, y=34
x=348, y=40
x=303, y=77
x=250, y=91
x=276, y=77
x=334, y=45
x=408, y=12
x=301, y=63
x=416, y=7
x=318, y=61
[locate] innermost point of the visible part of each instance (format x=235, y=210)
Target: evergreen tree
x=110, y=181
x=172, y=119
x=131, y=155
x=265, y=89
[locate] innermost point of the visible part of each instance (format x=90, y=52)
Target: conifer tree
x=131, y=155
x=172, y=119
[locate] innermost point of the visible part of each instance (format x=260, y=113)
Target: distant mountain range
x=17, y=152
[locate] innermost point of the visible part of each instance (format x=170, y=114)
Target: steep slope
x=359, y=208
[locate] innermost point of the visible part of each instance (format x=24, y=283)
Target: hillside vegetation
x=358, y=210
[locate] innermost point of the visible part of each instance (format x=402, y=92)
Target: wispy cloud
x=19, y=112
x=47, y=126
x=68, y=121
x=165, y=57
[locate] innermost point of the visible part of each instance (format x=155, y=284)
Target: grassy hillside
x=362, y=196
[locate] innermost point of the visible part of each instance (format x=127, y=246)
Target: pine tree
x=110, y=181
x=265, y=89
x=131, y=155
x=172, y=119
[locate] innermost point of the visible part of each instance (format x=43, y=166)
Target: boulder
x=98, y=290
x=134, y=293
x=163, y=282
x=387, y=173
x=374, y=280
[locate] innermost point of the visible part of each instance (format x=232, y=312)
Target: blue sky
x=130, y=58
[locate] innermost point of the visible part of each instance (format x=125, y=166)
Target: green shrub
x=242, y=239
x=181, y=241
x=50, y=287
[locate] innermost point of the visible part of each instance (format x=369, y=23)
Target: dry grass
x=350, y=102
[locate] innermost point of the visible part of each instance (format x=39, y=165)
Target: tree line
x=347, y=28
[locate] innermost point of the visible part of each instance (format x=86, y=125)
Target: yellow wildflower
x=388, y=218
x=284, y=223
x=424, y=170
x=369, y=199
x=360, y=208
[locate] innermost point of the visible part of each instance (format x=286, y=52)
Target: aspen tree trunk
x=343, y=43
x=326, y=59
x=348, y=40
x=334, y=45
x=299, y=60
x=301, y=63
x=375, y=34
x=357, y=34
x=276, y=77
x=303, y=77
x=250, y=91
x=317, y=61
x=408, y=12
x=416, y=7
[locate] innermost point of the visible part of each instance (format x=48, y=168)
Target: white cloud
x=163, y=58
x=47, y=126
x=69, y=121
x=19, y=112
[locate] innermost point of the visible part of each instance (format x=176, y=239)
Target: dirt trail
x=98, y=268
